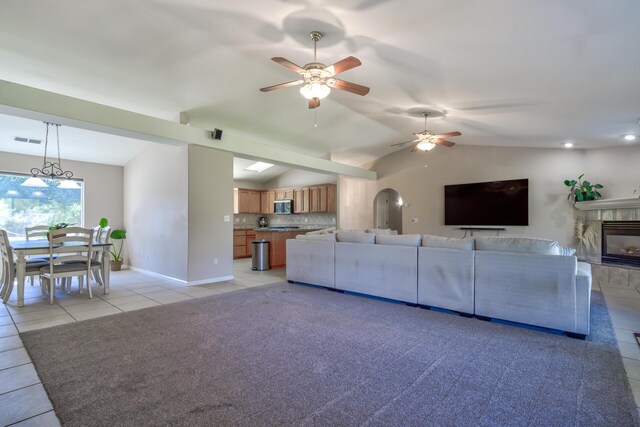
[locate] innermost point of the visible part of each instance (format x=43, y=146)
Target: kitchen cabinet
x=301, y=200
x=266, y=202
x=246, y=201
x=278, y=244
x=242, y=243
x=322, y=198
x=282, y=194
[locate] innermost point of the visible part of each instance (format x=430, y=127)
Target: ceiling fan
x=427, y=140
x=318, y=79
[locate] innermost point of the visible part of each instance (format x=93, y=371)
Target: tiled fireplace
x=621, y=243
x=616, y=258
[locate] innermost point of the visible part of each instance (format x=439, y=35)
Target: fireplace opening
x=621, y=243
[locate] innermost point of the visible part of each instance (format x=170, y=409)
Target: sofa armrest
x=583, y=298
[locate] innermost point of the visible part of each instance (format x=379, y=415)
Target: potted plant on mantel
x=120, y=236
x=582, y=191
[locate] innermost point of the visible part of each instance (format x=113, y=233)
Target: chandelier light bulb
x=315, y=90
x=425, y=146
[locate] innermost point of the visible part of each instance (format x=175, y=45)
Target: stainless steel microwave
x=283, y=207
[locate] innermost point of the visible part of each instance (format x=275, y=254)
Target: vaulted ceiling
x=503, y=72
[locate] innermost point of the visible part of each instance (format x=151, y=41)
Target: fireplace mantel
x=602, y=204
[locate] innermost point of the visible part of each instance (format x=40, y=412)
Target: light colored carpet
x=294, y=355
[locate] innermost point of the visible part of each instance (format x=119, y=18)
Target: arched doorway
x=387, y=210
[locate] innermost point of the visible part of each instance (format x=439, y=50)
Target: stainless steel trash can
x=260, y=255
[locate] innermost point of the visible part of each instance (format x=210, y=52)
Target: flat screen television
x=494, y=203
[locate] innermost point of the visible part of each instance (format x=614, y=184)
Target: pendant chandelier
x=51, y=169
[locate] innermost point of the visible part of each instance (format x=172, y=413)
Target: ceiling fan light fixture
x=315, y=90
x=629, y=138
x=425, y=145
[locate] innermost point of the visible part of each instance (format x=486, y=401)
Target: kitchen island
x=277, y=238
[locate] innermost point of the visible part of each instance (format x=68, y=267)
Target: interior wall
x=103, y=194
x=618, y=169
x=298, y=178
x=251, y=185
x=210, y=200
x=420, y=180
x=156, y=210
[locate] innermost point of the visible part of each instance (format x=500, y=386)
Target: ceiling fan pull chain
x=315, y=117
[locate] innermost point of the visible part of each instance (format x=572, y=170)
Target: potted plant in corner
x=582, y=190
x=116, y=253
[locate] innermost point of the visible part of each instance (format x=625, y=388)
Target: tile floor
x=23, y=400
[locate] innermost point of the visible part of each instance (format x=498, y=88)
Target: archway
x=387, y=210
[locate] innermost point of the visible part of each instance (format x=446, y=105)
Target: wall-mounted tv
x=494, y=203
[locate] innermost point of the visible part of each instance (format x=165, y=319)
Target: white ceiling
x=506, y=72
x=239, y=172
x=75, y=144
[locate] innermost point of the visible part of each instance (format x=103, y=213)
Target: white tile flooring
x=23, y=400
x=623, y=303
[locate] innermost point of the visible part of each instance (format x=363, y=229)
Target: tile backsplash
x=308, y=221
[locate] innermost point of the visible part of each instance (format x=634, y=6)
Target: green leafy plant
x=583, y=190
x=58, y=226
x=120, y=236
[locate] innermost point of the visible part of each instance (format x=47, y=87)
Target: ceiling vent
x=27, y=140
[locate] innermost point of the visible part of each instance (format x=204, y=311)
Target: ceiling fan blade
x=448, y=134
x=314, y=103
x=286, y=63
x=445, y=142
x=403, y=143
x=349, y=87
x=415, y=148
x=344, y=65
x=281, y=85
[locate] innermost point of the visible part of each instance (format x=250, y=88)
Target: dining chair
x=69, y=256
x=101, y=235
x=37, y=232
x=8, y=264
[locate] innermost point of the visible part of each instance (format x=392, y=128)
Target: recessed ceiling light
x=258, y=167
x=568, y=144
x=629, y=137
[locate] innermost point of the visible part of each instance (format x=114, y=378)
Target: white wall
x=210, y=200
x=156, y=209
x=550, y=214
x=252, y=185
x=103, y=195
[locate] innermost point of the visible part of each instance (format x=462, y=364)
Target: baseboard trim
x=152, y=273
x=210, y=280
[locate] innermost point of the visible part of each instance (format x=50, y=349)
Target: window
x=22, y=206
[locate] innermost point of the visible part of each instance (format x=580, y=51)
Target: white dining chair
x=8, y=265
x=70, y=251
x=37, y=232
x=100, y=235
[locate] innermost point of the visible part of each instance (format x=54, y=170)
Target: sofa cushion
x=431, y=241
x=518, y=244
x=382, y=231
x=330, y=230
x=327, y=237
x=565, y=250
x=355, y=237
x=402, y=240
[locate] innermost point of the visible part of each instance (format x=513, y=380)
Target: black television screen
x=487, y=203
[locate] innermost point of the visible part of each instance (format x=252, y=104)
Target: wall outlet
x=215, y=261
x=226, y=218
x=306, y=219
x=414, y=220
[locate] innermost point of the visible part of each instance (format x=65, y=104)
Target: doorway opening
x=387, y=210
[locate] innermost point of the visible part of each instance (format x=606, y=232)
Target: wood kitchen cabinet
x=266, y=202
x=301, y=200
x=242, y=243
x=322, y=198
x=282, y=194
x=246, y=201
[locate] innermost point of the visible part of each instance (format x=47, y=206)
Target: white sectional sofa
x=515, y=279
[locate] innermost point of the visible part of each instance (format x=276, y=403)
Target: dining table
x=29, y=248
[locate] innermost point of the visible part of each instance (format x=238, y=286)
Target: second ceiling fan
x=427, y=140
x=318, y=79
